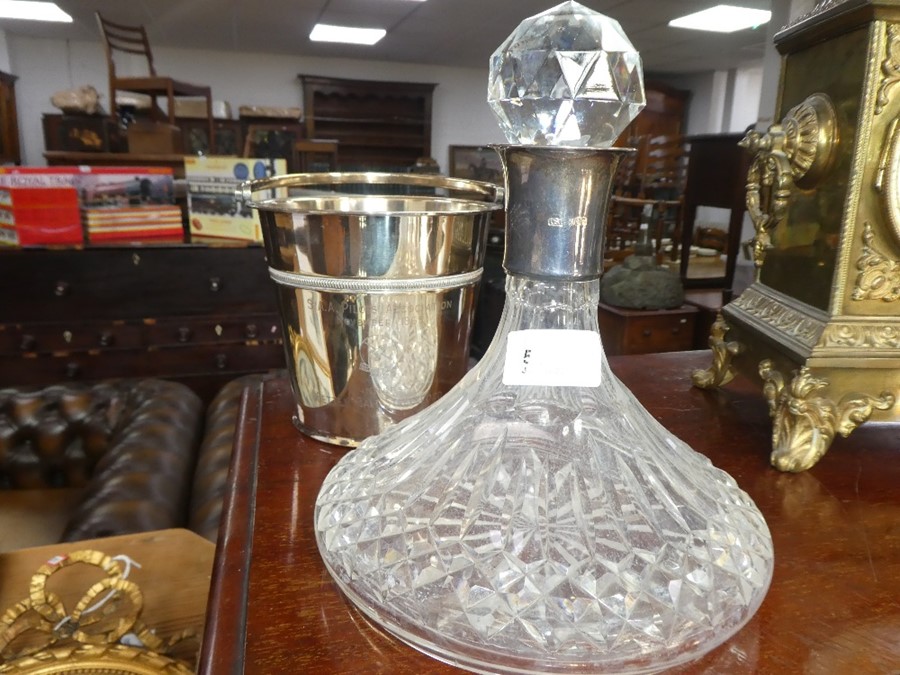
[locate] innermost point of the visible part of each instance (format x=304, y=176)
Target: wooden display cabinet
x=717, y=177
x=195, y=136
x=378, y=125
x=61, y=135
x=662, y=116
x=9, y=121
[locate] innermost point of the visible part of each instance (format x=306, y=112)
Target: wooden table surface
x=833, y=607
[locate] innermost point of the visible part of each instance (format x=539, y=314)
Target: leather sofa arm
x=214, y=458
x=143, y=481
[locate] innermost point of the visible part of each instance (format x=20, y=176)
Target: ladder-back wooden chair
x=665, y=167
x=664, y=180
x=623, y=226
x=624, y=220
x=670, y=223
x=627, y=180
x=133, y=40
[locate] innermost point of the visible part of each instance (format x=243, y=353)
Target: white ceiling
x=442, y=32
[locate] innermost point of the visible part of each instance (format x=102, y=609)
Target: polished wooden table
x=833, y=607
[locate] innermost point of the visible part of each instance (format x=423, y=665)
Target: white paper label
x=553, y=358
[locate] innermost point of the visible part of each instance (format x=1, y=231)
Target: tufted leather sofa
x=214, y=458
x=144, y=453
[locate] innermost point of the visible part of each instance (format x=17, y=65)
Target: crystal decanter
x=537, y=519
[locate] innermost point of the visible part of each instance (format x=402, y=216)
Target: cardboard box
x=154, y=138
x=39, y=206
x=213, y=212
x=123, y=186
x=196, y=108
x=270, y=111
x=129, y=203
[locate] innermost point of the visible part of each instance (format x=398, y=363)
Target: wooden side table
x=833, y=607
x=645, y=331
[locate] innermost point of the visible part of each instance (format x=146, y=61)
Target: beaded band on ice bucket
x=311, y=282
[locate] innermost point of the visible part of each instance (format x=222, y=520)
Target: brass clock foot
x=721, y=371
x=804, y=425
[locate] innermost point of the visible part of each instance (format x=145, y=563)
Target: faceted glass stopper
x=568, y=76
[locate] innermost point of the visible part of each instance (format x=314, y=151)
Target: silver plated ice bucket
x=377, y=277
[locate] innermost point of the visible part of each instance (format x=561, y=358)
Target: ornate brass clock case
x=821, y=324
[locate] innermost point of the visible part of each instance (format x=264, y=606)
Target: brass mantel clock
x=821, y=323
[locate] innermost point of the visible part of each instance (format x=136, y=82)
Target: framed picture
x=273, y=141
x=477, y=162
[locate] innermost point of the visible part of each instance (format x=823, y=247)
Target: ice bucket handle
x=479, y=190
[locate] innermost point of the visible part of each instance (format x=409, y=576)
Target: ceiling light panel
x=723, y=19
x=32, y=11
x=323, y=32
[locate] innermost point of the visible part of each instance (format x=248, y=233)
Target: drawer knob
x=221, y=361
x=185, y=334
x=215, y=284
x=61, y=289
x=251, y=331
x=28, y=343
x=107, y=339
x=73, y=370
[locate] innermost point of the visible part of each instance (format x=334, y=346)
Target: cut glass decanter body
x=537, y=519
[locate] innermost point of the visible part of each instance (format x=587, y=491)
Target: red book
x=39, y=206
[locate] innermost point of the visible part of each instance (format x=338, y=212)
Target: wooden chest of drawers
x=634, y=331
x=198, y=314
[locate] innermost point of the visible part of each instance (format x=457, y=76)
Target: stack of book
x=134, y=223
x=135, y=204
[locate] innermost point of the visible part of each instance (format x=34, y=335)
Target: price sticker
x=553, y=358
